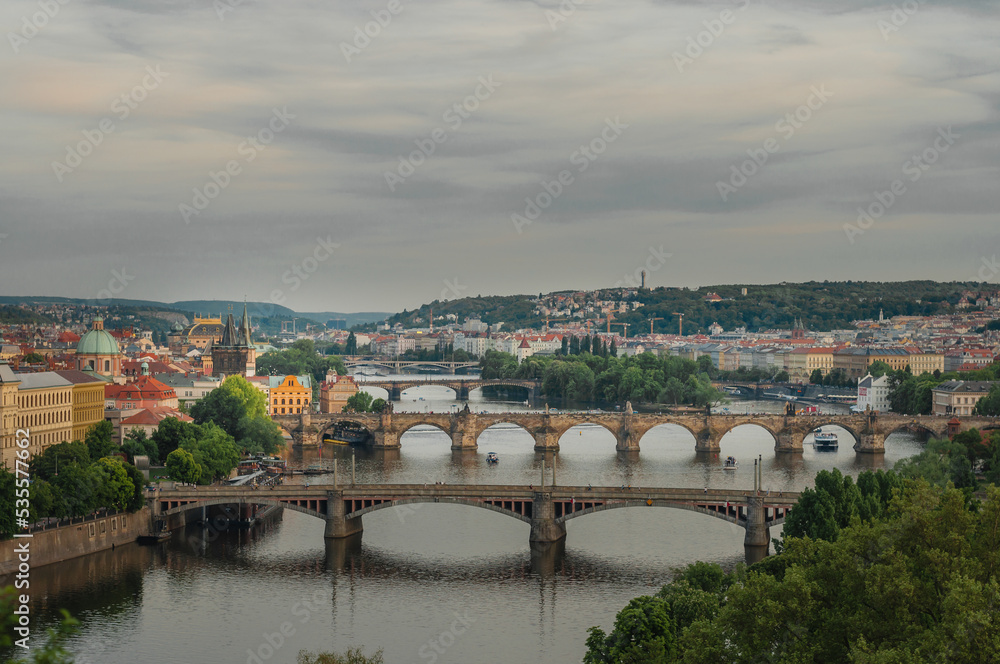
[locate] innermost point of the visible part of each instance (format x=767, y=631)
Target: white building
x=874, y=393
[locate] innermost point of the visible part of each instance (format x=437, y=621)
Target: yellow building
x=88, y=401
x=42, y=407
x=290, y=395
x=802, y=362
x=921, y=363
x=334, y=393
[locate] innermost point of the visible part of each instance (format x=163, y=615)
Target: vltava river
x=427, y=583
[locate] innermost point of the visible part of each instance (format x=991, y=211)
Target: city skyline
x=627, y=128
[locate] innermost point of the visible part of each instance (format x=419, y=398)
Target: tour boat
x=731, y=463
x=824, y=440
x=492, y=458
x=346, y=434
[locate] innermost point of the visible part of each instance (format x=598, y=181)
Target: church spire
x=245, y=331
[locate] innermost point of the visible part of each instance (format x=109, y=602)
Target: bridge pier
x=544, y=527
x=788, y=442
x=705, y=441
x=337, y=524
x=385, y=440
x=758, y=534
x=546, y=441
x=870, y=443
x=463, y=439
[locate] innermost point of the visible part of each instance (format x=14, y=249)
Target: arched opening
x=346, y=432
x=376, y=392
x=429, y=392
x=430, y=444
x=829, y=440
x=504, y=393
x=903, y=443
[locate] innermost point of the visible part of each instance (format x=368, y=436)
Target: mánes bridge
x=868, y=430
x=461, y=386
x=546, y=509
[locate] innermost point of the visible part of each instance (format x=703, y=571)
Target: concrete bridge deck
x=545, y=508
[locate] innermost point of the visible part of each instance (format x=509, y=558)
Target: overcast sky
x=667, y=97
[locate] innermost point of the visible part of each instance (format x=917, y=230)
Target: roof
x=304, y=381
x=153, y=416
x=97, y=342
x=965, y=386
x=144, y=387
x=78, y=377
x=41, y=380
x=8, y=376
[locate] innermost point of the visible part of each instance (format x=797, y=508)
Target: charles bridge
x=868, y=430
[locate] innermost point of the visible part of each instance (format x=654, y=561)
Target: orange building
x=333, y=394
x=290, y=395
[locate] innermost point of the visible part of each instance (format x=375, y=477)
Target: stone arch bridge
x=461, y=386
x=546, y=509
x=868, y=430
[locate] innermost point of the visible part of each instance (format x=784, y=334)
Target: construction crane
x=624, y=327
x=680, y=323
x=651, y=324
x=546, y=325
x=610, y=318
x=588, y=328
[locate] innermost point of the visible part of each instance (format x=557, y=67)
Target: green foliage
x=836, y=501
x=52, y=650
x=878, y=368
x=99, y=440
x=182, y=467
x=643, y=378
x=34, y=358
x=44, y=465
x=918, y=584
x=214, y=451
x=942, y=462
x=241, y=410
x=990, y=404
x=378, y=405
x=644, y=633
x=7, y=504
x=299, y=359
x=138, y=499
x=136, y=443
x=359, y=402
x=115, y=488
x=170, y=433
x=352, y=656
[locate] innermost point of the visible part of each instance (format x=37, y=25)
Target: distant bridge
x=868, y=430
x=462, y=387
x=546, y=508
x=390, y=364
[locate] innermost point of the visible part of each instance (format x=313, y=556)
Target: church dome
x=98, y=341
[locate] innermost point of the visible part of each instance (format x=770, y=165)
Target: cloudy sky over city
x=381, y=154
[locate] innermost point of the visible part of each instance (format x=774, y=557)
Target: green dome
x=97, y=342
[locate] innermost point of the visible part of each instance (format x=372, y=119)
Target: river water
x=427, y=583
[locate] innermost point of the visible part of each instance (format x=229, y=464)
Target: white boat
x=825, y=440
x=492, y=458
x=731, y=463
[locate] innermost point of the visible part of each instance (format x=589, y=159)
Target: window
x=104, y=527
x=91, y=529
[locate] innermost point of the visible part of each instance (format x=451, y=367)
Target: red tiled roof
x=153, y=416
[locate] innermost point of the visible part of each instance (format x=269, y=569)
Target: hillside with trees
x=821, y=306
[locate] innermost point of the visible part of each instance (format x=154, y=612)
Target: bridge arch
x=917, y=427
x=377, y=391
x=735, y=513
x=641, y=433
x=521, y=427
x=329, y=425
x=526, y=386
x=212, y=502
x=432, y=421
x=832, y=423
x=404, y=386
x=563, y=430
x=524, y=514
x=730, y=426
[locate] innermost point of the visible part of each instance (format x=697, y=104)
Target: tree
x=181, y=467
x=34, y=358
x=643, y=634
x=990, y=404
x=99, y=440
x=879, y=368
x=52, y=650
x=816, y=377
x=565, y=346
x=138, y=444
x=781, y=377
x=59, y=456
x=7, y=505
x=170, y=433
x=115, y=488
x=138, y=499
x=80, y=488
x=214, y=451
x=351, y=347
x=613, y=349
x=378, y=405
x=359, y=402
